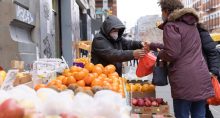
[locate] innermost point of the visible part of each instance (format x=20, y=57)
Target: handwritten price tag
x=9, y=80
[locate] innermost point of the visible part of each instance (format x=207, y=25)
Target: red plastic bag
x=146, y=65
x=216, y=99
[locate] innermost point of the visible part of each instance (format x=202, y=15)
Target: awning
x=215, y=36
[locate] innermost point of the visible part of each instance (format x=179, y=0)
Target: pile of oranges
x=89, y=76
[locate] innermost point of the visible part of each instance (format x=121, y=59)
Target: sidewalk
x=164, y=92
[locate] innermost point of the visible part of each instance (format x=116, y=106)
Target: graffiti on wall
x=46, y=9
x=47, y=29
x=24, y=15
x=47, y=49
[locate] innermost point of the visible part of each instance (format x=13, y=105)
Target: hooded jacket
x=209, y=51
x=106, y=50
x=188, y=72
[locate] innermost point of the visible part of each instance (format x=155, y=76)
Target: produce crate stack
x=83, y=46
x=142, y=97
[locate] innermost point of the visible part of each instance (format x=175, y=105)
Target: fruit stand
x=84, y=90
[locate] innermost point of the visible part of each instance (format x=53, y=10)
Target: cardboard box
x=152, y=116
x=162, y=109
x=138, y=94
x=15, y=64
x=22, y=78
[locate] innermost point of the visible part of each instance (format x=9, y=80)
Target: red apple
x=141, y=102
x=10, y=109
x=152, y=99
x=159, y=100
x=134, y=101
x=155, y=104
x=147, y=103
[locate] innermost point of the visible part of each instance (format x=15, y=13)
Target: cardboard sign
x=9, y=80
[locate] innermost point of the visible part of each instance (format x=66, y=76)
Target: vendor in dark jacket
x=211, y=55
x=109, y=47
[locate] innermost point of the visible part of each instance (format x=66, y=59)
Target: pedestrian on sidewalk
x=189, y=76
x=109, y=47
x=211, y=55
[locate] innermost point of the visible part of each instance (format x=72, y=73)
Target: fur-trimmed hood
x=187, y=15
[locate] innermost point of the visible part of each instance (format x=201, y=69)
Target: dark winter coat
x=209, y=51
x=106, y=50
x=188, y=72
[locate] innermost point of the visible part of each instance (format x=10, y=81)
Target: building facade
x=146, y=29
x=209, y=12
x=103, y=9
x=32, y=29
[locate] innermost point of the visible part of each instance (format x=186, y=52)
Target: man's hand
x=146, y=46
x=139, y=53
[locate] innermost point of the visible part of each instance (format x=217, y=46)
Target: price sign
x=9, y=80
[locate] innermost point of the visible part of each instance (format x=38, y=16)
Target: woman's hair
x=170, y=5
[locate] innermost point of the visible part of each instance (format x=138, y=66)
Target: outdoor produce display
x=148, y=102
x=83, y=90
x=25, y=102
x=89, y=79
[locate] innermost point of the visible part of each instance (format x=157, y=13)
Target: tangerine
x=81, y=83
x=97, y=70
x=38, y=86
x=89, y=66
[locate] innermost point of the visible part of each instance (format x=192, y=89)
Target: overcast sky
x=130, y=10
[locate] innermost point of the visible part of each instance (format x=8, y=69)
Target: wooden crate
x=83, y=45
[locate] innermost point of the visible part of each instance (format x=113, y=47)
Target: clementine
x=81, y=83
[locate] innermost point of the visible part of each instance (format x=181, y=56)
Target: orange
x=146, y=88
x=96, y=82
x=66, y=70
x=75, y=69
x=67, y=74
x=97, y=70
x=63, y=87
x=61, y=77
x=38, y=86
x=89, y=67
x=113, y=74
x=51, y=83
x=70, y=80
x=100, y=65
x=95, y=75
x=115, y=87
x=81, y=83
x=152, y=87
x=110, y=69
x=103, y=76
x=80, y=75
x=133, y=87
x=88, y=79
x=139, y=87
x=128, y=88
x=64, y=80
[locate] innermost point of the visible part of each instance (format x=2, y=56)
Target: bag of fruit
x=146, y=65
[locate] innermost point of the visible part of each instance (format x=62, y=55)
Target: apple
x=10, y=109
x=159, y=100
x=134, y=101
x=140, y=102
x=152, y=99
x=148, y=103
x=155, y=104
